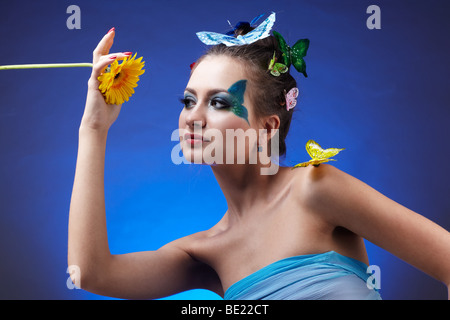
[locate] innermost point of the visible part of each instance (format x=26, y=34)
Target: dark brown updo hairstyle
x=267, y=91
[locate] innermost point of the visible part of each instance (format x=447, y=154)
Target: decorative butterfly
x=295, y=54
x=242, y=24
x=291, y=98
x=237, y=91
x=276, y=68
x=318, y=154
x=260, y=32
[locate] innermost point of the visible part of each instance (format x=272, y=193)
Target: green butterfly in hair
x=276, y=68
x=295, y=54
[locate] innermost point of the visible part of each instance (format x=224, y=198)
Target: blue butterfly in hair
x=260, y=32
x=242, y=25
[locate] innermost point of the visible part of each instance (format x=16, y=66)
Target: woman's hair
x=267, y=92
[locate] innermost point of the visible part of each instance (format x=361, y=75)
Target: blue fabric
x=323, y=276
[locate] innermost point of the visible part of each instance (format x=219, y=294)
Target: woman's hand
x=99, y=116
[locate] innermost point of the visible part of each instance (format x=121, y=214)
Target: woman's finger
x=104, y=45
x=104, y=61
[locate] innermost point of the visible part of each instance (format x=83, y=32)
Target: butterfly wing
x=237, y=91
x=272, y=62
x=293, y=93
x=281, y=68
x=255, y=20
x=275, y=72
x=291, y=98
x=213, y=38
x=284, y=48
x=303, y=164
x=314, y=149
x=240, y=111
x=300, y=48
x=298, y=51
x=260, y=32
x=312, y=162
x=331, y=152
x=317, y=152
x=277, y=69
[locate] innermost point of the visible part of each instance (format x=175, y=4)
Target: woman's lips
x=194, y=139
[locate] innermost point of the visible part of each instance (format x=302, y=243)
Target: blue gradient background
x=381, y=94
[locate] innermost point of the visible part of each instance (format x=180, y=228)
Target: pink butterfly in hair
x=291, y=98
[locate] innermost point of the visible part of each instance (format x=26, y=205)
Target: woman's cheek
x=226, y=119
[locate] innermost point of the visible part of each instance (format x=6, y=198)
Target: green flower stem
x=46, y=65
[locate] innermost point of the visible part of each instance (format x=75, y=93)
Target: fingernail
x=111, y=30
x=128, y=53
x=112, y=57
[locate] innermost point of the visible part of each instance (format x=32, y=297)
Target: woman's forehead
x=217, y=72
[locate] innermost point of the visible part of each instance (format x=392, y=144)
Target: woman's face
x=216, y=104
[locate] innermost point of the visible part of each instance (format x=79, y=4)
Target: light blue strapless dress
x=323, y=276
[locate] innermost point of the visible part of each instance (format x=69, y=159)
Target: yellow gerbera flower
x=118, y=81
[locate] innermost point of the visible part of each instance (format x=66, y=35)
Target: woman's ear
x=271, y=123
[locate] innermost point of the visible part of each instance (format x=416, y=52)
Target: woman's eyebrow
x=190, y=90
x=209, y=93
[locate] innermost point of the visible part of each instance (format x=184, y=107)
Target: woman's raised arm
x=151, y=274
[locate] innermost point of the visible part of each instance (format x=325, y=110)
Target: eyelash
x=188, y=102
x=224, y=103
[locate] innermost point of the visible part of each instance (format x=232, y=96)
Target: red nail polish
x=111, y=30
x=113, y=57
x=128, y=53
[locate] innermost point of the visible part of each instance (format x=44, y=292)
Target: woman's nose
x=196, y=117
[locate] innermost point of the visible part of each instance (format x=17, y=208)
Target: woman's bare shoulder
x=311, y=180
x=317, y=185
x=193, y=242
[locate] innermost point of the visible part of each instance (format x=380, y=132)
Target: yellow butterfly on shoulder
x=318, y=154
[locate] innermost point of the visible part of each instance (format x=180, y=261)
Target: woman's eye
x=219, y=103
x=188, y=102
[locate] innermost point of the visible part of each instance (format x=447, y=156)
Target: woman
x=293, y=234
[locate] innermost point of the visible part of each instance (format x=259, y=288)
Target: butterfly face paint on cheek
x=237, y=91
x=233, y=100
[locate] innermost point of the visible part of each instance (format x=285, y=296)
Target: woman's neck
x=244, y=186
